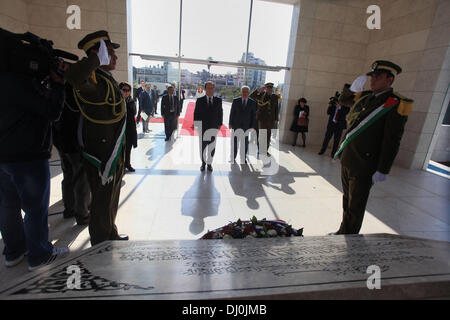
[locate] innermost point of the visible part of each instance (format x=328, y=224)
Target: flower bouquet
x=254, y=229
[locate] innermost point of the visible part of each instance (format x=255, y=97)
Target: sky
x=211, y=28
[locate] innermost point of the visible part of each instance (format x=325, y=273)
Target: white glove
x=358, y=84
x=378, y=177
x=102, y=54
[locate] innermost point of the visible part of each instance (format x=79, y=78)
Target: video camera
x=335, y=98
x=30, y=55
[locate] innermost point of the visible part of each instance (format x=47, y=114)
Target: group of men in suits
x=257, y=111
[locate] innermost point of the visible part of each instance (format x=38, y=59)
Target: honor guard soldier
x=266, y=112
x=375, y=127
x=101, y=132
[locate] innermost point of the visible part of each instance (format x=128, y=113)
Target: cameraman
x=25, y=146
x=336, y=124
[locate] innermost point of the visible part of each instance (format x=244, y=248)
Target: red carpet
x=188, y=123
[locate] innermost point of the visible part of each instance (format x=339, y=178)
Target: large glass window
x=212, y=30
x=270, y=32
x=155, y=27
x=216, y=29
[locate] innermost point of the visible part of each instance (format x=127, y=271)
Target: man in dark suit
x=146, y=107
x=155, y=99
x=208, y=111
x=336, y=124
x=242, y=116
x=170, y=111
x=137, y=97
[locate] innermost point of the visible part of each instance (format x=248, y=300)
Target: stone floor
x=169, y=198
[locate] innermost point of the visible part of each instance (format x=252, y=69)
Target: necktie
x=336, y=115
x=244, y=103
x=209, y=101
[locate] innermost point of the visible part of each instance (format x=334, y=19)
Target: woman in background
x=301, y=121
x=199, y=93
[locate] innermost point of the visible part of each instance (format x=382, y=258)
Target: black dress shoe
x=321, y=152
x=210, y=168
x=167, y=139
x=130, y=168
x=202, y=168
x=122, y=237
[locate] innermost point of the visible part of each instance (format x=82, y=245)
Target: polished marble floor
x=169, y=198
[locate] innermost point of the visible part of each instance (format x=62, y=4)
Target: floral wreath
x=254, y=228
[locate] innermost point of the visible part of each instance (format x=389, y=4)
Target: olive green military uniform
x=102, y=138
x=266, y=113
x=372, y=149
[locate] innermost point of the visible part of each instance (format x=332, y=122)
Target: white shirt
x=171, y=102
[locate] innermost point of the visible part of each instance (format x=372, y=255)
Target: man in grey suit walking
x=242, y=118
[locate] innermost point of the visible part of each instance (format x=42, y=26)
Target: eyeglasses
x=126, y=90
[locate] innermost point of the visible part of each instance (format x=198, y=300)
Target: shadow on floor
x=202, y=200
x=250, y=184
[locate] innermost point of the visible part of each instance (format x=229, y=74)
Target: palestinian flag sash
x=106, y=170
x=367, y=122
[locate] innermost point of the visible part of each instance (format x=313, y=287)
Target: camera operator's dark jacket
x=26, y=113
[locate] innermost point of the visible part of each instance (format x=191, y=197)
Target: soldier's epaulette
x=405, y=106
x=361, y=94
